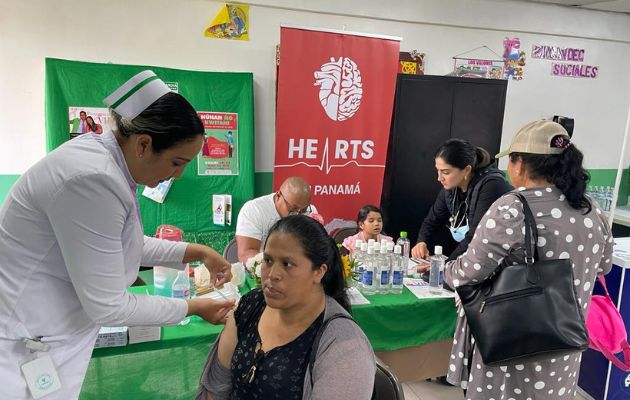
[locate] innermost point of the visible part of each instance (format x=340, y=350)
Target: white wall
x=169, y=33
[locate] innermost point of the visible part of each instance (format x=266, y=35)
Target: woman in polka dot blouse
x=547, y=169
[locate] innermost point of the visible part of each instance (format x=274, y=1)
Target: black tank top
x=277, y=374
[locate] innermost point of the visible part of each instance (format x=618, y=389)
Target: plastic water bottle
x=404, y=244
x=608, y=198
x=436, y=274
x=360, y=258
x=398, y=270
x=371, y=265
x=181, y=290
x=385, y=268
x=357, y=248
x=191, y=278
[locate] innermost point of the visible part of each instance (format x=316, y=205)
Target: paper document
x=422, y=290
x=356, y=297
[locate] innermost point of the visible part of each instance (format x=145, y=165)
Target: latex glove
x=220, y=269
x=213, y=311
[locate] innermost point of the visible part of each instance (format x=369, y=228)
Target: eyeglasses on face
x=293, y=209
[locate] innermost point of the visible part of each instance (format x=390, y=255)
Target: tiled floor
x=423, y=390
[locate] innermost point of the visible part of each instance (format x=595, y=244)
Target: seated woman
x=264, y=350
x=370, y=223
x=471, y=182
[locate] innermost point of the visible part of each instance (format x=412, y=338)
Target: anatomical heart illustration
x=340, y=88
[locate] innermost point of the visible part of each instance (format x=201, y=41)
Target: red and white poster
x=335, y=100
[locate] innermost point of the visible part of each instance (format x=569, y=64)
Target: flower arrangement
x=350, y=273
x=253, y=267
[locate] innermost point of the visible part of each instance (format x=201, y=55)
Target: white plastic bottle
x=385, y=268
x=436, y=274
x=357, y=249
x=181, y=290
x=398, y=270
x=369, y=278
x=405, y=245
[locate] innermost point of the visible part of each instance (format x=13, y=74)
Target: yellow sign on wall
x=232, y=22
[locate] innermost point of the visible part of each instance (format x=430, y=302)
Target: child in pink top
x=370, y=223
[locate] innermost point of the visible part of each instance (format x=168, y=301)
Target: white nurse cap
x=135, y=95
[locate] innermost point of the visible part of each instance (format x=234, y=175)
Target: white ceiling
x=622, y=6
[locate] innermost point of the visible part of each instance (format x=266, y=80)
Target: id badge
x=41, y=376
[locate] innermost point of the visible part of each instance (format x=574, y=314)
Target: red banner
x=335, y=100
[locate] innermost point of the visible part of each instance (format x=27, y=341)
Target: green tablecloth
x=170, y=368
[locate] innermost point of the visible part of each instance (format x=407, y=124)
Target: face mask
x=459, y=233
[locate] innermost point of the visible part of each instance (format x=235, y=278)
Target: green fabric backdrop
x=188, y=204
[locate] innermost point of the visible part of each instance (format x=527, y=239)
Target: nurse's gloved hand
x=220, y=269
x=420, y=250
x=213, y=311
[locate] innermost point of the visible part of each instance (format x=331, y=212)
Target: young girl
x=370, y=223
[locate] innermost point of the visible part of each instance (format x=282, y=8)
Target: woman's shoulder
x=250, y=304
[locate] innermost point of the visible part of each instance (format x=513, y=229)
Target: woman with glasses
x=471, y=183
x=258, y=215
x=269, y=350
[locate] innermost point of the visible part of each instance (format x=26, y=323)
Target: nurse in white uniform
x=71, y=242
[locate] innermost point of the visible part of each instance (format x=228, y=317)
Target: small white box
x=141, y=334
x=111, y=337
x=222, y=209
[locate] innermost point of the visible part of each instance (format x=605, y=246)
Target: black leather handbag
x=528, y=311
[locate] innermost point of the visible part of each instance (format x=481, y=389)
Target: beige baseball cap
x=538, y=138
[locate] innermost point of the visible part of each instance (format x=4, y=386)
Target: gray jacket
x=344, y=365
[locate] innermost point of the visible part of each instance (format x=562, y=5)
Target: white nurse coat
x=71, y=242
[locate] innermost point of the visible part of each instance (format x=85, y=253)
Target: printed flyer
x=219, y=153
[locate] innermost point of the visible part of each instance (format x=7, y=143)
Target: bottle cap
x=390, y=246
x=364, y=246
x=358, y=243
x=403, y=234
x=438, y=250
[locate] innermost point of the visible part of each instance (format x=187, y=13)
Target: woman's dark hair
x=460, y=153
x=320, y=248
x=563, y=170
x=169, y=120
x=365, y=210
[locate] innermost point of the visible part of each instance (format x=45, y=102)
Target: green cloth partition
x=188, y=204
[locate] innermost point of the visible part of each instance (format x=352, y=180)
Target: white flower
x=255, y=261
x=258, y=270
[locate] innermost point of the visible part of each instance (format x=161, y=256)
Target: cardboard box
x=141, y=334
x=111, y=337
x=222, y=209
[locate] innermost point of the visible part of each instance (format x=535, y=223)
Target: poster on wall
x=219, y=153
x=480, y=62
x=87, y=120
x=335, y=99
x=514, y=59
x=231, y=22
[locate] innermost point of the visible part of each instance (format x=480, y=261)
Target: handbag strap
x=531, y=232
x=625, y=348
x=602, y=281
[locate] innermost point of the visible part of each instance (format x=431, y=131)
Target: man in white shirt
x=259, y=214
